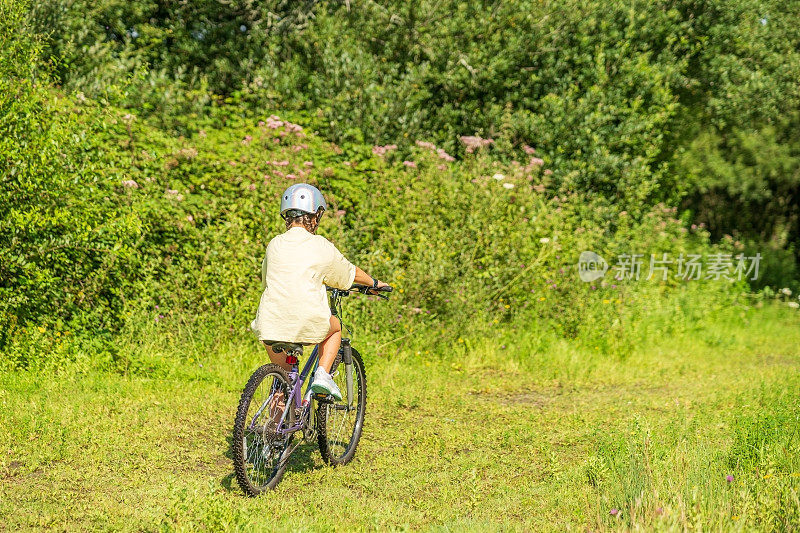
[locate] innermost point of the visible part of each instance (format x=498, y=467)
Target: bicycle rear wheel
x=340, y=423
x=260, y=454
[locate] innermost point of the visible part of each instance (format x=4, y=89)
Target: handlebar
x=364, y=289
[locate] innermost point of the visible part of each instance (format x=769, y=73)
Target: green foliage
x=63, y=240
x=112, y=213
x=635, y=102
x=747, y=183
x=474, y=240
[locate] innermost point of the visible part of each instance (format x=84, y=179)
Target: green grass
x=481, y=438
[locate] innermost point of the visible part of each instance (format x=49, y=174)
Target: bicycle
x=273, y=409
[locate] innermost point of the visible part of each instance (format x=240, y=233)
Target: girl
x=297, y=266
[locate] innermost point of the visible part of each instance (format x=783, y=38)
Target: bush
x=474, y=242
x=64, y=241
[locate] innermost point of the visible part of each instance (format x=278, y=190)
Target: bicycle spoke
x=264, y=449
x=341, y=420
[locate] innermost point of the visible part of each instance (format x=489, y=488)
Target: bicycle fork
x=347, y=358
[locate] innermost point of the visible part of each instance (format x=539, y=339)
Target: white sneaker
x=323, y=383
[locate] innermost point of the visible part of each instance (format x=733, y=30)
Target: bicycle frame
x=296, y=396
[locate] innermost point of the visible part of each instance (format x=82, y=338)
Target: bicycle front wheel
x=340, y=423
x=260, y=453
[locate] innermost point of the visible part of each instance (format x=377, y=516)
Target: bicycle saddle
x=288, y=347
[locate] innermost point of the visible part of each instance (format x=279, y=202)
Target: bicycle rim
x=340, y=423
x=260, y=452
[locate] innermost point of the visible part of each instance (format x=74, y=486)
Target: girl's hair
x=310, y=221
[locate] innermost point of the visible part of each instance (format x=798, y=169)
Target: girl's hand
x=380, y=286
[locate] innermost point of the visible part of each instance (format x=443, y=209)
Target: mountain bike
x=274, y=412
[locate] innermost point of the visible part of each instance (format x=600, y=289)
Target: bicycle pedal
x=324, y=398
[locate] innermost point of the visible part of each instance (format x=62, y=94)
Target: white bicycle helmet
x=302, y=197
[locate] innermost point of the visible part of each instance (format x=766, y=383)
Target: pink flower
x=442, y=167
x=444, y=155
x=426, y=144
x=252, y=186
x=247, y=139
x=273, y=122
x=130, y=184
x=528, y=150
x=537, y=161
x=410, y=164
x=381, y=151
x=190, y=218
x=291, y=176
x=308, y=164
x=340, y=213
x=548, y=172
x=172, y=193
x=473, y=142
x=260, y=123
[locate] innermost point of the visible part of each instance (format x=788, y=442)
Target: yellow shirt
x=295, y=270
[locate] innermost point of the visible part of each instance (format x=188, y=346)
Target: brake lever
x=368, y=292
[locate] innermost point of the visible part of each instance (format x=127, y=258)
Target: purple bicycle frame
x=296, y=396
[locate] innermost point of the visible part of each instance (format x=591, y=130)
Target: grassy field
x=485, y=437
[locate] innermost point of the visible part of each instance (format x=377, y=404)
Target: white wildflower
x=508, y=185
x=498, y=176
x=544, y=240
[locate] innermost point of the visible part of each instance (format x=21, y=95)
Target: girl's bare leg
x=278, y=358
x=277, y=403
x=329, y=347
